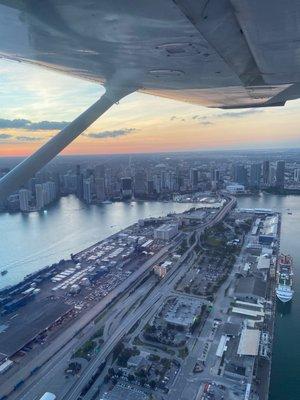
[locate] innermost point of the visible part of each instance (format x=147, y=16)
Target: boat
x=284, y=287
x=290, y=213
x=4, y=272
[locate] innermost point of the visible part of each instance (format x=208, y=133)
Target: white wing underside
x=216, y=53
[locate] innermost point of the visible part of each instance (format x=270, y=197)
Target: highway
x=153, y=302
x=52, y=353
x=115, y=330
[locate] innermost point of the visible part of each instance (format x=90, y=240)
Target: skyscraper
x=266, y=172
x=100, y=186
x=24, y=196
x=194, y=178
x=272, y=175
x=140, y=183
x=280, y=170
x=87, y=190
x=240, y=174
x=126, y=188
x=49, y=192
x=297, y=175
x=39, y=196
x=255, y=175
x=79, y=182
x=216, y=175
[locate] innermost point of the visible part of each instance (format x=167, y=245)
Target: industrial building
x=268, y=233
x=250, y=287
x=166, y=232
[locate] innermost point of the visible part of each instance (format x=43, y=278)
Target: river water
x=285, y=375
x=31, y=241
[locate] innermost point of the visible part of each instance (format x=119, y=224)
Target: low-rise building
x=166, y=232
x=183, y=312
x=250, y=287
x=160, y=270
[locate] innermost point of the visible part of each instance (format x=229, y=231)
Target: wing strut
x=19, y=175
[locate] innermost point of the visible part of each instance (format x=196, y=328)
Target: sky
x=36, y=103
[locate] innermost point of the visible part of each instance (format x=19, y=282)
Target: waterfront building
x=79, y=182
x=100, y=186
x=70, y=182
x=100, y=189
x=140, y=183
x=272, y=176
x=266, y=172
x=235, y=188
x=87, y=190
x=157, y=183
x=297, y=175
x=39, y=196
x=255, y=175
x=49, y=192
x=126, y=188
x=150, y=187
x=24, y=197
x=13, y=202
x=170, y=181
x=280, y=170
x=56, y=179
x=31, y=184
x=166, y=232
x=240, y=175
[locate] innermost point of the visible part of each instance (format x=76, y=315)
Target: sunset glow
x=140, y=123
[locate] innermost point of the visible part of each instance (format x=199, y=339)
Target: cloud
x=5, y=136
x=110, y=134
x=31, y=126
x=206, y=123
x=47, y=125
x=28, y=138
x=207, y=120
x=240, y=114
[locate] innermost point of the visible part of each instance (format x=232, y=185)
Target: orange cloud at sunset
x=140, y=123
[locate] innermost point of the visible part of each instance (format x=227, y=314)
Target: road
x=67, y=340
x=153, y=302
x=56, y=354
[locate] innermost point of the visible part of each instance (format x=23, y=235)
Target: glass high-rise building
x=280, y=170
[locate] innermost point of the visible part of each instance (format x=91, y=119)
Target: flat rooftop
x=183, y=312
x=24, y=324
x=250, y=286
x=249, y=342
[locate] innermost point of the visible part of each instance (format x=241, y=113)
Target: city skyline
x=32, y=113
x=102, y=180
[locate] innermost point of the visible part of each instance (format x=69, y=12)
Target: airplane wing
x=216, y=53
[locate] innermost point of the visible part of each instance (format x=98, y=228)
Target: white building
x=49, y=192
x=87, y=190
x=235, y=188
x=39, y=196
x=24, y=197
x=166, y=232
